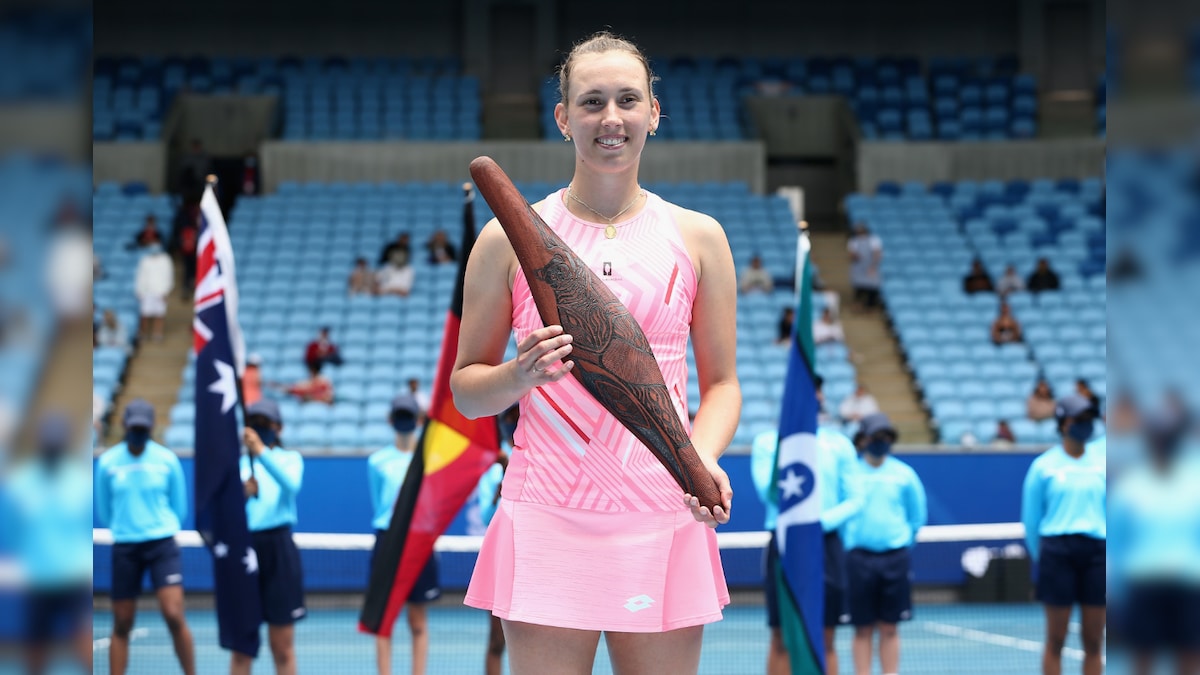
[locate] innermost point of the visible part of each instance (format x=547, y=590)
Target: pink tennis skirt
x=632, y=572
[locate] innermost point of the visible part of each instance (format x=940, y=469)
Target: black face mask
x=266, y=434
x=137, y=437
x=52, y=454
x=878, y=448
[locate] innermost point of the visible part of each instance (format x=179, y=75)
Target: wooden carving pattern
x=612, y=356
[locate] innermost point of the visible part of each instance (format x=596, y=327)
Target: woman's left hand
x=720, y=513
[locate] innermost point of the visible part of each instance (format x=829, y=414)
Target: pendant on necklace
x=610, y=232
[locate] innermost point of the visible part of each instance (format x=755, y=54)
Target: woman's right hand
x=538, y=354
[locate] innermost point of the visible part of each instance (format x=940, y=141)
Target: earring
x=653, y=132
x=567, y=137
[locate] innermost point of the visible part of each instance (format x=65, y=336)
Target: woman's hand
x=720, y=513
x=538, y=353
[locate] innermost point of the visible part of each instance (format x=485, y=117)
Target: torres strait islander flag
x=799, y=577
x=453, y=453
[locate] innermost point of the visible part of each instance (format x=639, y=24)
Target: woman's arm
x=714, y=336
x=714, y=341
x=482, y=382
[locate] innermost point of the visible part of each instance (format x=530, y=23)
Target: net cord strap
x=726, y=540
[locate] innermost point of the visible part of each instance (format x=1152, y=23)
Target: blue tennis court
x=950, y=638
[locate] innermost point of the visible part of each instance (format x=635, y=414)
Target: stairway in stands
x=156, y=371
x=873, y=348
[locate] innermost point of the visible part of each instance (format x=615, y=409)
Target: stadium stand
x=292, y=270
x=931, y=236
x=117, y=212
x=893, y=99
x=320, y=98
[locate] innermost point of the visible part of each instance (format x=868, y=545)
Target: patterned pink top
x=568, y=450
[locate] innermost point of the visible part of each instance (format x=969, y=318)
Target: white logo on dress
x=173, y=579
x=639, y=602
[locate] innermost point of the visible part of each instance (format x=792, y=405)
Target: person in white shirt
x=866, y=255
x=396, y=277
x=154, y=282
x=858, y=405
x=1011, y=282
x=756, y=277
x=828, y=328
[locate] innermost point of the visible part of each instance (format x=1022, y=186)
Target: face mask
x=1080, y=431
x=52, y=454
x=878, y=448
x=267, y=435
x=403, y=423
x=137, y=437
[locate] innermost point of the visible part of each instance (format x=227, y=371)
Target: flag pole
x=211, y=181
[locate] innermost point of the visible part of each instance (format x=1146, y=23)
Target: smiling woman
x=592, y=534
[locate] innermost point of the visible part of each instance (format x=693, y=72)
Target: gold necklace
x=610, y=231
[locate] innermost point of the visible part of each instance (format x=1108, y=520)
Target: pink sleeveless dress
x=591, y=532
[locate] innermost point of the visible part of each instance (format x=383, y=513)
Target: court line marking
x=950, y=630
x=104, y=643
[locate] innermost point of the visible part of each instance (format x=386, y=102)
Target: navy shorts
x=1071, y=571
x=1162, y=615
x=131, y=561
x=837, y=612
x=51, y=615
x=280, y=577
x=880, y=586
x=426, y=588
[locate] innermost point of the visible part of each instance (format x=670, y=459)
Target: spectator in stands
x=1064, y=511
x=828, y=329
x=386, y=469
x=316, y=388
x=396, y=277
x=153, y=283
x=147, y=236
x=250, y=176
x=1011, y=282
x=787, y=321
x=141, y=495
x=322, y=350
x=1043, y=278
x=422, y=399
x=67, y=279
x=977, y=280
x=185, y=238
x=111, y=333
x=1006, y=328
x=866, y=255
x=362, y=280
x=487, y=496
x=880, y=541
x=756, y=277
x=1084, y=389
x=1040, y=404
x=1004, y=434
x=194, y=168
x=252, y=379
x=440, y=249
x=402, y=242
x=272, y=477
x=857, y=405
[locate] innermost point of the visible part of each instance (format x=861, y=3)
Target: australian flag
x=220, y=501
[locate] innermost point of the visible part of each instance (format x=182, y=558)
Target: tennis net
x=973, y=612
